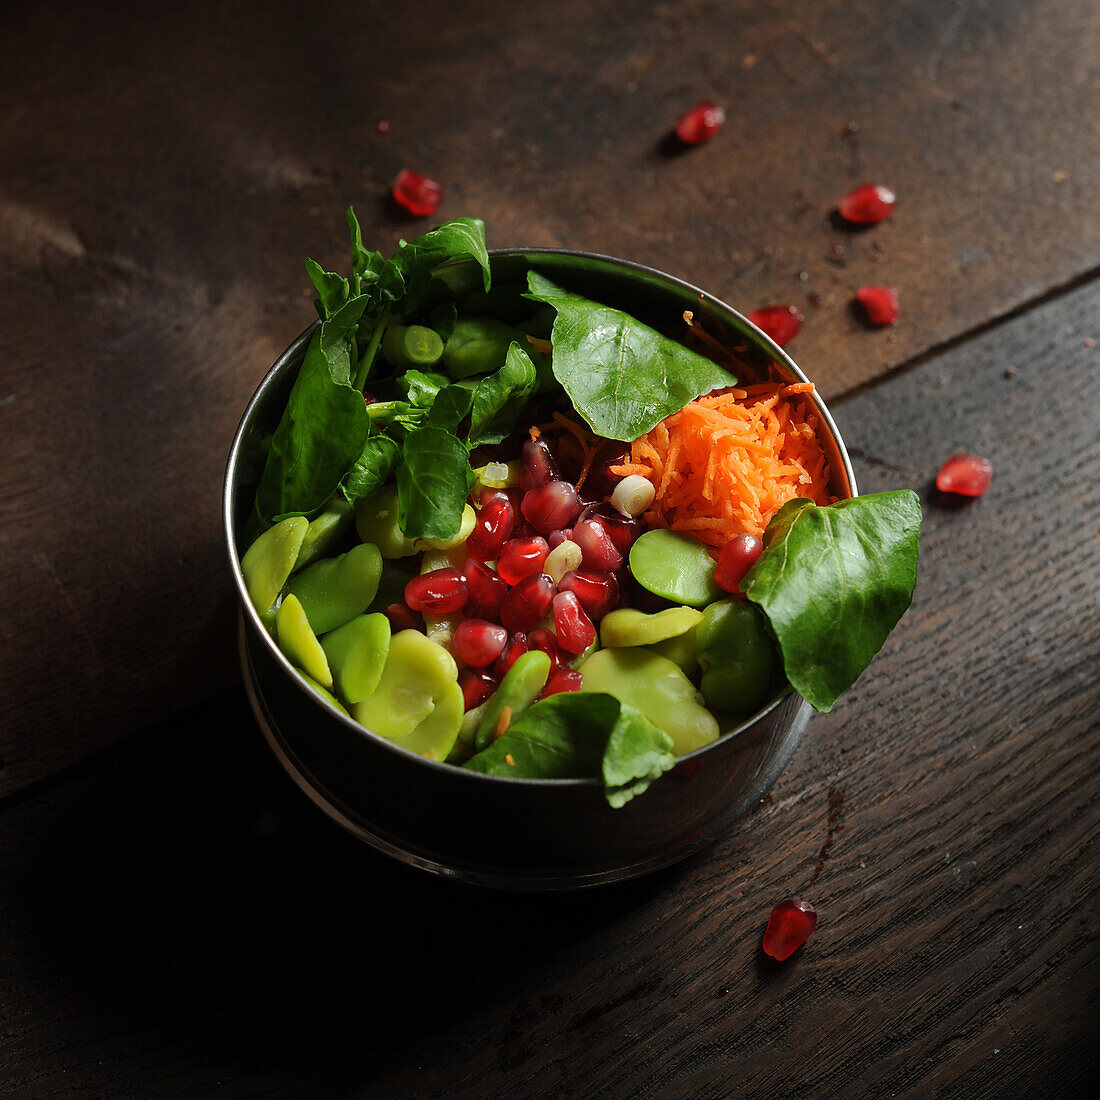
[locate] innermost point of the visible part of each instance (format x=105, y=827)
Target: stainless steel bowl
x=522, y=833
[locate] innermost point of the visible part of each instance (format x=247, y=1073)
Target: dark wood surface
x=175, y=919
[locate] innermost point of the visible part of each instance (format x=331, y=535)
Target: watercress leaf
x=500, y=398
x=637, y=752
x=409, y=271
x=332, y=289
x=450, y=407
x=622, y=376
x=366, y=266
x=833, y=582
x=420, y=387
x=371, y=468
x=562, y=737
x=433, y=481
x=321, y=433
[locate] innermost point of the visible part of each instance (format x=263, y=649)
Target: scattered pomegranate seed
x=789, y=927
x=416, y=193
x=401, y=618
x=439, y=592
x=562, y=680
x=574, y=628
x=383, y=126
x=492, y=528
x=737, y=558
x=880, y=302
x=598, y=549
x=476, y=687
x=543, y=639
x=528, y=603
x=516, y=647
x=966, y=475
x=550, y=506
x=479, y=643
x=521, y=558
x=868, y=204
x=538, y=466
x=781, y=323
x=701, y=123
x=598, y=592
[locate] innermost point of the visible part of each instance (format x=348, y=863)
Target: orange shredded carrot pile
x=727, y=462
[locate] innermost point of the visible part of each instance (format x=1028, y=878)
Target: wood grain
x=164, y=171
x=178, y=920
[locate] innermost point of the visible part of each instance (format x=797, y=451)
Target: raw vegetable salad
x=519, y=531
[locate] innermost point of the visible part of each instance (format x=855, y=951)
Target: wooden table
x=176, y=919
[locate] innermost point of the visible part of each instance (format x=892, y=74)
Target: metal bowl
x=522, y=833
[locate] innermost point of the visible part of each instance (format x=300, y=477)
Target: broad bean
x=356, y=655
x=268, y=561
x=335, y=590
x=298, y=642
x=674, y=566
x=520, y=687
x=627, y=626
x=737, y=656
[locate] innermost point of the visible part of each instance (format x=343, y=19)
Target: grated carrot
x=727, y=462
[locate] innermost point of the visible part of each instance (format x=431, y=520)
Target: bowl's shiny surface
x=533, y=834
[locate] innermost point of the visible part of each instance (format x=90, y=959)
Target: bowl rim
x=296, y=350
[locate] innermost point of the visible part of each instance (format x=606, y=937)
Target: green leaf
x=833, y=583
x=500, y=398
x=450, y=407
x=371, y=468
x=409, y=271
x=580, y=735
x=622, y=376
x=433, y=481
x=332, y=289
x=421, y=388
x=366, y=266
x=322, y=430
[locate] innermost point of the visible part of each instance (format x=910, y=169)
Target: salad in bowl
x=512, y=529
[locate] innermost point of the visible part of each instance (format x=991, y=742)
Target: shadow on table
x=219, y=920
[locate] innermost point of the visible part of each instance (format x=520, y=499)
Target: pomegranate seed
x=479, y=643
x=561, y=680
x=737, y=558
x=476, y=687
x=601, y=482
x=867, y=204
x=541, y=638
x=484, y=494
x=789, y=927
x=880, y=302
x=416, y=193
x=382, y=126
x=550, y=506
x=574, y=628
x=492, y=529
x=487, y=590
x=516, y=647
x=967, y=475
x=401, y=618
x=623, y=531
x=556, y=538
x=538, y=467
x=701, y=123
x=520, y=558
x=438, y=592
x=527, y=603
x=598, y=592
x=598, y=550
x=781, y=323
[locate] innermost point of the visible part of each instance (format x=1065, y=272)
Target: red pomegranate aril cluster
x=965, y=474
x=561, y=680
x=479, y=643
x=515, y=648
x=537, y=465
x=700, y=123
x=492, y=528
x=556, y=538
x=542, y=639
x=487, y=590
x=791, y=924
x=476, y=687
x=575, y=630
x=416, y=193
x=550, y=506
x=439, y=592
x=598, y=549
x=401, y=618
x=522, y=558
x=528, y=603
x=738, y=556
x=597, y=592
x=867, y=205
